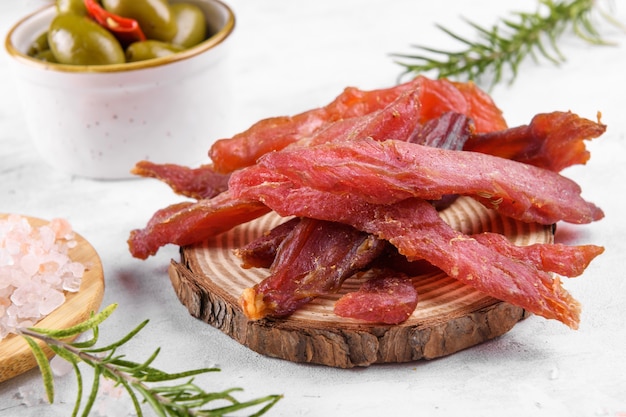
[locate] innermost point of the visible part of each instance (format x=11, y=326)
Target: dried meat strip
x=261, y=252
x=398, y=120
x=449, y=131
x=569, y=261
x=191, y=222
x=199, y=183
x=390, y=171
x=415, y=228
x=313, y=260
x=486, y=115
x=388, y=298
x=436, y=97
x=391, y=259
x=441, y=96
x=552, y=140
x=276, y=133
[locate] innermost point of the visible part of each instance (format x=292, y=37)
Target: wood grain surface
x=15, y=354
x=450, y=316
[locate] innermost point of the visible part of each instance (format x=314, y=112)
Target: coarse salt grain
x=35, y=270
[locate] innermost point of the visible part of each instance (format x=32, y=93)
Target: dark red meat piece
x=449, y=131
x=389, y=298
x=260, y=253
x=504, y=185
x=313, y=260
x=390, y=171
x=391, y=259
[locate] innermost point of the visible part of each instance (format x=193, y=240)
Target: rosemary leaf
x=94, y=391
x=157, y=406
x=139, y=368
x=90, y=342
x=133, y=397
x=44, y=366
x=67, y=355
x=122, y=341
x=79, y=391
x=162, y=377
x=89, y=324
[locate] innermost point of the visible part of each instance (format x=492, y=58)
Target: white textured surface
x=290, y=56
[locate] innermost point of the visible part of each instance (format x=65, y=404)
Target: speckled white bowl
x=98, y=121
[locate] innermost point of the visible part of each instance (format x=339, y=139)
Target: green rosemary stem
x=89, y=358
x=509, y=42
x=139, y=380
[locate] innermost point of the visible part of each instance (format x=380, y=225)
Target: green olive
x=71, y=6
x=78, y=40
x=150, y=49
x=46, y=56
x=39, y=45
x=154, y=16
x=191, y=24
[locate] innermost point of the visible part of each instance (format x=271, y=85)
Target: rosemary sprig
x=140, y=380
x=508, y=43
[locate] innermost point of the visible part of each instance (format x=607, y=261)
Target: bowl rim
x=210, y=43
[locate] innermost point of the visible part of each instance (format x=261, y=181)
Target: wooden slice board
x=450, y=316
x=15, y=354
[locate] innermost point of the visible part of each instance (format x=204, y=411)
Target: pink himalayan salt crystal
x=35, y=270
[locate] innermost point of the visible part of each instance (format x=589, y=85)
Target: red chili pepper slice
x=126, y=30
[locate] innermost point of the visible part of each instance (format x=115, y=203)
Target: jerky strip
x=199, y=183
x=390, y=171
x=388, y=298
x=552, y=140
x=569, y=261
x=261, y=252
x=313, y=260
x=190, y=222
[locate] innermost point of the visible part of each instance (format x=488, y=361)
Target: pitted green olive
x=71, y=6
x=78, y=40
x=154, y=16
x=40, y=49
x=141, y=51
x=46, y=56
x=191, y=24
x=39, y=45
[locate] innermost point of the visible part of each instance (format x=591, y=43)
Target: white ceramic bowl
x=98, y=121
